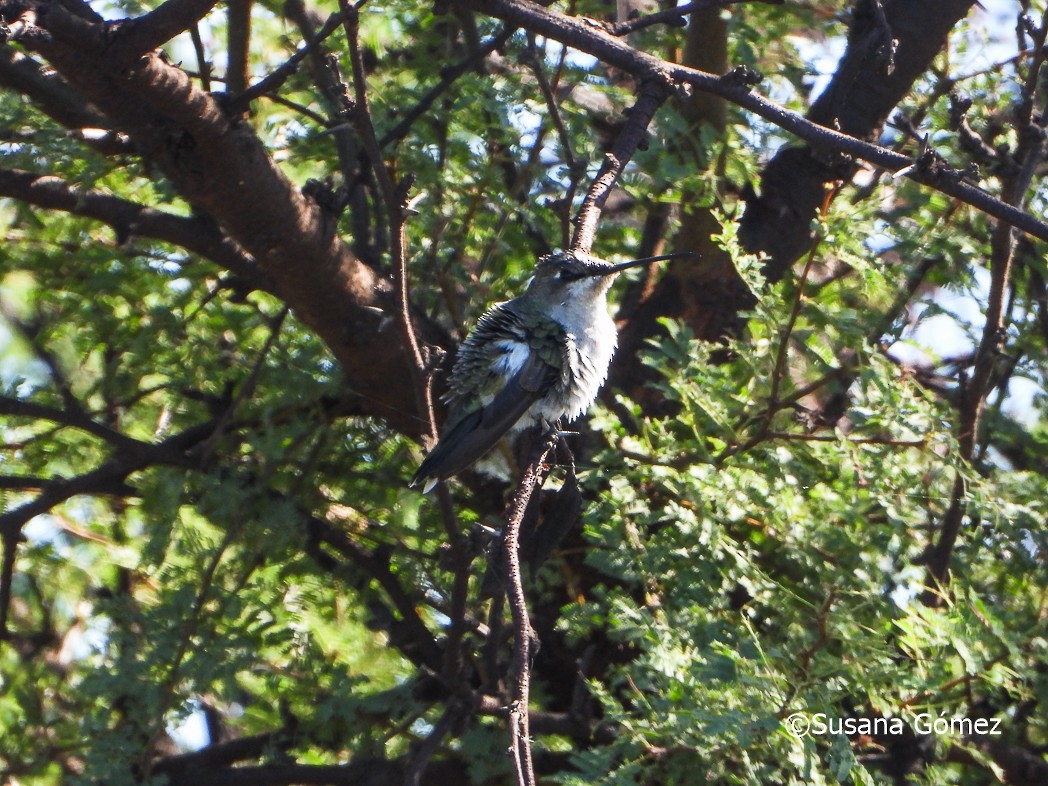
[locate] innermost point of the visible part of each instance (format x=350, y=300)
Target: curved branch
x=76, y=418
x=150, y=31
x=523, y=635
x=198, y=235
x=215, y=161
x=55, y=97
x=576, y=33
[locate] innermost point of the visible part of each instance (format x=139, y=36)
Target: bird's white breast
x=592, y=339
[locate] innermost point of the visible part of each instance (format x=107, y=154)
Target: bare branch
x=448, y=76
x=1002, y=254
x=395, y=198
x=239, y=35
x=520, y=677
x=273, y=80
x=76, y=418
x=223, y=754
x=931, y=171
x=651, y=95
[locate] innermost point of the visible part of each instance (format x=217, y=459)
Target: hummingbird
x=538, y=359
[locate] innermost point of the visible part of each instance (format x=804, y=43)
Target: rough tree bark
x=218, y=164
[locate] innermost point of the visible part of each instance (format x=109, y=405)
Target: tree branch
x=76, y=418
x=523, y=635
x=150, y=31
x=106, y=479
x=223, y=753
x=239, y=47
x=198, y=235
x=273, y=80
x=213, y=162
x=448, y=76
x=650, y=97
x=395, y=198
x=420, y=645
x=673, y=16
x=55, y=97
x=929, y=171
x=1002, y=253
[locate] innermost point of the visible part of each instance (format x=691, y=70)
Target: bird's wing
x=477, y=432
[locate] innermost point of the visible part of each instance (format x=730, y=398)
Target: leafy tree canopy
x=241, y=244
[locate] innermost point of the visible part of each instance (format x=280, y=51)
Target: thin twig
x=520, y=676
x=1031, y=152
x=106, y=479
x=651, y=95
x=844, y=373
x=76, y=418
x=188, y=632
x=461, y=559
x=356, y=176
x=269, y=84
x=887, y=441
x=575, y=170
x=448, y=76
x=202, y=62
x=673, y=16
x=421, y=754
x=30, y=332
x=396, y=209
x=9, y=541
x=246, y=390
x=780, y=357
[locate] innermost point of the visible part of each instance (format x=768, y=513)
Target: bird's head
x=577, y=275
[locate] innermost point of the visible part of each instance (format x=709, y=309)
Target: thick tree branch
x=214, y=161
x=54, y=96
x=198, y=235
x=148, y=32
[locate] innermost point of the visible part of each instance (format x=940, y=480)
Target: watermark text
x=820, y=724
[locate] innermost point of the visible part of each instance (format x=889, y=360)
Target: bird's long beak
x=607, y=270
